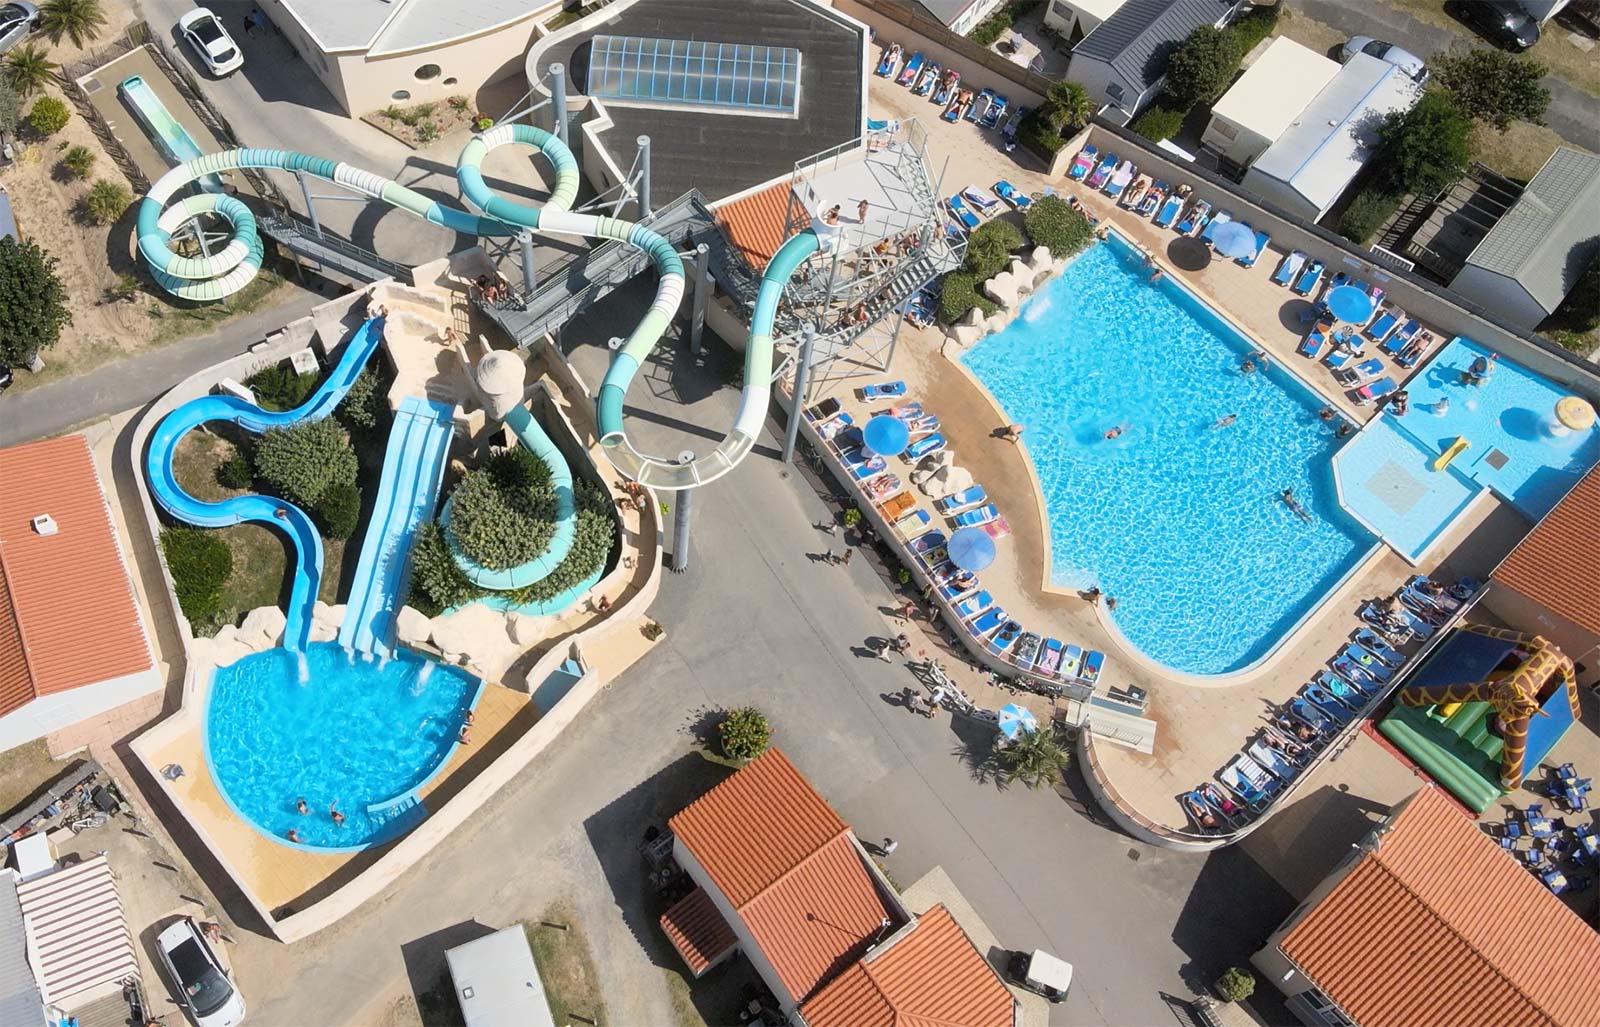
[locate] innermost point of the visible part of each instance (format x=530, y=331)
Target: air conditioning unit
x=44, y=524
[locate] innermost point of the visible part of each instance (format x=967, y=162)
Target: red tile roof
x=754, y=224
x=67, y=612
x=1438, y=925
x=933, y=975
x=1558, y=564
x=698, y=931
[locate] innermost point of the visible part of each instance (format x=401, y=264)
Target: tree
x=1494, y=86
x=304, y=459
x=1037, y=759
x=33, y=302
x=48, y=116
x=28, y=69
x=1068, y=106
x=78, y=20
x=989, y=248
x=1200, y=67
x=1425, y=149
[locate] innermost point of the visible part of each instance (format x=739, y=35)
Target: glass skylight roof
x=691, y=73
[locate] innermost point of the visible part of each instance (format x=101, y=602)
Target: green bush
x=1236, y=984
x=1251, y=29
x=1581, y=309
x=78, y=161
x=105, y=202
x=483, y=124
x=503, y=513
x=302, y=461
x=48, y=116
x=279, y=387
x=1366, y=214
x=363, y=404
x=200, y=563
x=1200, y=67
x=1427, y=148
x=1050, y=222
x=744, y=733
x=852, y=517
x=236, y=472
x=339, y=511
x=1157, y=122
x=1037, y=134
x=33, y=301
x=959, y=295
x=1493, y=86
x=989, y=248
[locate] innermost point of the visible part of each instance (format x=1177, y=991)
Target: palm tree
x=1037, y=759
x=78, y=20
x=1068, y=105
x=28, y=69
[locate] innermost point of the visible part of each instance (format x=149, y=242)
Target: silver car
x=1405, y=60
x=16, y=21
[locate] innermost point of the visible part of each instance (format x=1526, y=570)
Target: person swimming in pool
x=1480, y=370
x=300, y=807
x=1289, y=500
x=1223, y=422
x=1116, y=432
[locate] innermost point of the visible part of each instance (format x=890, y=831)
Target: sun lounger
x=1447, y=600
x=832, y=428
x=1199, y=811
x=948, y=87
x=1311, y=345
x=824, y=410
x=961, y=500
x=1072, y=663
x=1343, y=355
x=1368, y=662
x=1222, y=218
x=927, y=542
x=1309, y=715
x=1001, y=641
x=974, y=518
x=1120, y=178
x=1225, y=807
x=1352, y=672
x=900, y=506
x=1083, y=163
x=1152, y=201
x=1251, y=793
x=1369, y=394
x=968, y=219
x=925, y=83
x=1049, y=662
x=997, y=110
x=957, y=106
x=889, y=61
x=1098, y=178
x=1391, y=628
x=1342, y=690
x=1396, y=344
x=1289, y=267
x=912, y=522
x=1262, y=239
x=1378, y=647
x=988, y=621
x=1093, y=662
x=1336, y=711
x=981, y=199
x=1008, y=192
x=1385, y=323
x=1196, y=219
x=1026, y=650
x=923, y=447
x=1360, y=374
x=1309, y=278
x=908, y=74
x=855, y=457
x=973, y=605
x=923, y=426
x=1169, y=211
x=906, y=411
x=1276, y=765
x=980, y=105
x=883, y=390
x=1413, y=354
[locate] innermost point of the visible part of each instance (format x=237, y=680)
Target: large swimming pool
x=343, y=732
x=1178, y=519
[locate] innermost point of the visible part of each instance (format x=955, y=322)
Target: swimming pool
x=1177, y=519
x=353, y=733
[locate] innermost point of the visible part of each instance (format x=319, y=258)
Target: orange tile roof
x=698, y=931
x=1558, y=564
x=933, y=975
x=68, y=616
x=754, y=224
x=1438, y=925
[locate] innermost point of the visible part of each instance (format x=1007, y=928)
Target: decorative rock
x=1040, y=257
x=966, y=335
x=411, y=625
x=998, y=322
x=931, y=466
x=263, y=627
x=1002, y=288
x=972, y=317
x=526, y=629
x=1022, y=273
x=325, y=616
x=479, y=633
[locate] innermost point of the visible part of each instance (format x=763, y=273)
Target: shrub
x=10, y=108
x=339, y=511
x=33, y=302
x=994, y=26
x=362, y=404
x=1236, y=984
x=1251, y=29
x=1050, y=222
x=1037, y=759
x=437, y=583
x=1158, y=122
x=1573, y=342
x=483, y=124
x=1201, y=66
x=200, y=563
x=79, y=161
x=48, y=116
x=503, y=513
x=959, y=295
x=279, y=387
x=989, y=248
x=1068, y=106
x=457, y=103
x=852, y=517
x=1426, y=148
x=105, y=202
x=302, y=461
x=1494, y=86
x=1366, y=214
x=1038, y=135
x=236, y=472
x=744, y=733
x=427, y=132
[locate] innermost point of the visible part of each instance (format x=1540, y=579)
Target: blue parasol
x=1235, y=239
x=1350, y=303
x=886, y=436
x=1014, y=720
x=971, y=549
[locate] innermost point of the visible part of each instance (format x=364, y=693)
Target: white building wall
x=968, y=19
x=1234, y=141
x=1281, y=194
x=464, y=68
x=1505, y=296
x=61, y=709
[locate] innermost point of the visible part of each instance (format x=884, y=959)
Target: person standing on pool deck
x=1012, y=433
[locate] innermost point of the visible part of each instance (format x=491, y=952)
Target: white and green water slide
x=223, y=273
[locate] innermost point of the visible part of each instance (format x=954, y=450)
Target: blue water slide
x=277, y=513
x=413, y=469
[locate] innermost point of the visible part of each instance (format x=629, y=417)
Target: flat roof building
x=497, y=983
x=960, y=16
x=1313, y=162
x=1075, y=19
x=1259, y=107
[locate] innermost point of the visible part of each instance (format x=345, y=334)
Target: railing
x=286, y=227
x=1388, y=258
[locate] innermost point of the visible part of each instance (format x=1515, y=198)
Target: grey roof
x=343, y=24
x=945, y=10
x=1549, y=235
x=497, y=982
x=21, y=1005
x=8, y=221
x=1139, y=38
x=395, y=26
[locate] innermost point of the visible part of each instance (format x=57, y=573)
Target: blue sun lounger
x=1249, y=781
x=979, y=106
x=1083, y=163
x=869, y=469
x=968, y=219
x=835, y=425
x=1222, y=218
x=997, y=110
x=1367, y=662
x=1309, y=278
x=1072, y=662
x=1312, y=344
x=927, y=541
x=1342, y=690
x=973, y=605
x=1196, y=218
x=1319, y=697
x=1350, y=672
x=1152, y=199
x=932, y=444
x=1169, y=210
x=884, y=390
x=1262, y=238
x=1379, y=648
x=1008, y=192
x=1396, y=344
x=1374, y=391
x=1107, y=165
x=1309, y=715
x=1004, y=639
x=908, y=74
x=1049, y=662
x=1093, y=662
x=1288, y=268
x=961, y=500
x=1385, y=323
x=988, y=621
x=891, y=57
x=1268, y=757
x=976, y=518
x=912, y=521
x=1360, y=374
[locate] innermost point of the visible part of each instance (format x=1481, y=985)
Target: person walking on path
x=849, y=554
x=889, y=845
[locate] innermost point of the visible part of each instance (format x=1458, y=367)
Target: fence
x=133, y=37
x=915, y=18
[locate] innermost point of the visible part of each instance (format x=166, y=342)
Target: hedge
x=1252, y=28
x=1156, y=122
x=1366, y=213
x=200, y=563
x=989, y=248
x=302, y=461
x=339, y=511
x=959, y=295
x=279, y=387
x=503, y=512
x=1050, y=222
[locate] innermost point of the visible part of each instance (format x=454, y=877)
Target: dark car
x=5, y=377
x=1502, y=22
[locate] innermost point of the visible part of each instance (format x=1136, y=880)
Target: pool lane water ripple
x=1177, y=519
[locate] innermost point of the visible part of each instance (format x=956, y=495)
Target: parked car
x=16, y=21
x=5, y=377
x=202, y=985
x=1502, y=22
x=1040, y=973
x=211, y=42
x=1405, y=60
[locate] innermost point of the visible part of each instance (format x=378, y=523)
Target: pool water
x=352, y=733
x=1178, y=519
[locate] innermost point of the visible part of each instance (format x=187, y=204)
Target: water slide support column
x=530, y=272
x=558, y=99
x=644, y=177
x=697, y=321
x=682, y=521
x=797, y=403
x=311, y=202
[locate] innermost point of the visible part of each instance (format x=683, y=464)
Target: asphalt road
x=1572, y=112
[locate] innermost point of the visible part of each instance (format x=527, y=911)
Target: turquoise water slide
x=171, y=138
x=276, y=513
x=413, y=469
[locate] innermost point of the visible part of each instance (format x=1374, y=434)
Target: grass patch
x=1517, y=153
x=1309, y=32
x=181, y=318
x=566, y=966
x=1553, y=50
x=23, y=771
x=684, y=1013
